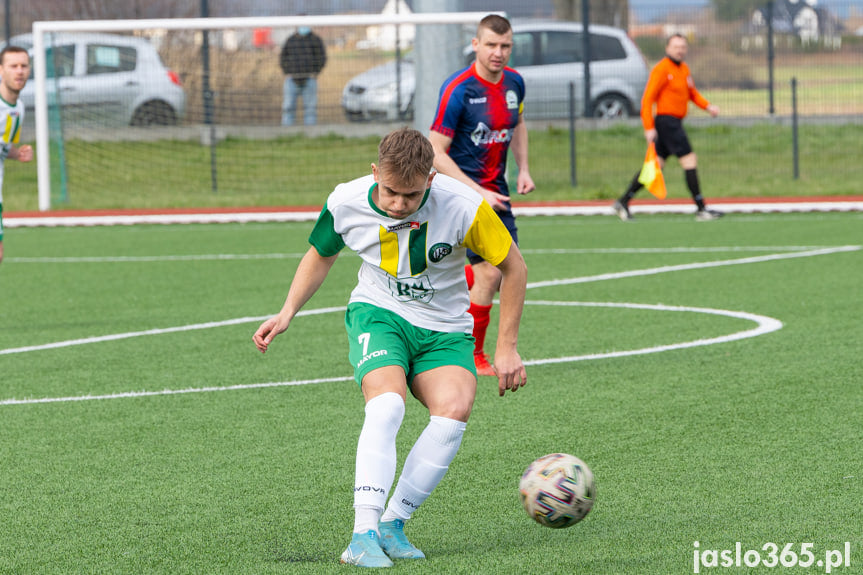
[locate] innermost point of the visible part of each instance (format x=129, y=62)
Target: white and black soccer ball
x=557, y=490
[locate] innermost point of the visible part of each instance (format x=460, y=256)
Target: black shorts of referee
x=671, y=139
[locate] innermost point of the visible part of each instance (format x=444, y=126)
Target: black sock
x=694, y=188
x=634, y=186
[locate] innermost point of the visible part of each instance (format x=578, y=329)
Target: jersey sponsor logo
x=482, y=100
x=404, y=226
x=483, y=135
x=372, y=355
x=412, y=289
x=439, y=251
x=511, y=100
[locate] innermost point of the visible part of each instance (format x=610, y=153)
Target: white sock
x=376, y=459
x=366, y=518
x=425, y=466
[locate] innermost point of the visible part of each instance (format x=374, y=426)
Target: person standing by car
x=670, y=88
x=302, y=58
x=14, y=71
x=478, y=119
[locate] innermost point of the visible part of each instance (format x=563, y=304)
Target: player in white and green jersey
x=14, y=71
x=408, y=325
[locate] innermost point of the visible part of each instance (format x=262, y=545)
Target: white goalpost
x=181, y=32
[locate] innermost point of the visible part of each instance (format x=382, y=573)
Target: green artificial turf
x=755, y=441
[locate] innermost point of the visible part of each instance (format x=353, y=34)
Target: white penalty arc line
x=764, y=325
x=585, y=279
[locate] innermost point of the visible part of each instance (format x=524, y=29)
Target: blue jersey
x=480, y=118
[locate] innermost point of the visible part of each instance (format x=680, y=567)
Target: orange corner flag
x=651, y=174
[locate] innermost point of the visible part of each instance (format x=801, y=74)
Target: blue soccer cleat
x=365, y=551
x=395, y=544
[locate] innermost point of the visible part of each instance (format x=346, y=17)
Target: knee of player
x=457, y=410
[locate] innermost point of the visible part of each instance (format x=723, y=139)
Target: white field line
x=132, y=394
x=585, y=279
x=765, y=324
x=603, y=209
x=280, y=256
x=692, y=266
x=144, y=259
x=159, y=331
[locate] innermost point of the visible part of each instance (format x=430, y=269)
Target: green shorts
x=379, y=338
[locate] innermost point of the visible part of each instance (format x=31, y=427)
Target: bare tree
x=607, y=12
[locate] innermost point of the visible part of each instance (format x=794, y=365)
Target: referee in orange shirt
x=670, y=88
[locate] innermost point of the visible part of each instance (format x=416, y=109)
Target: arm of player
x=524, y=184
x=444, y=164
x=21, y=153
x=311, y=272
x=507, y=362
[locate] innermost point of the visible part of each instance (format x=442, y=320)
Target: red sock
x=468, y=274
x=481, y=319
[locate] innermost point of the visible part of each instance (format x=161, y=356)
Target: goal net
x=189, y=112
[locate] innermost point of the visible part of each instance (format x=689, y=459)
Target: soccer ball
x=557, y=490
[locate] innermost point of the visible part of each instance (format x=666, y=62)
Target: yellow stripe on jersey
x=487, y=235
x=8, y=134
x=389, y=251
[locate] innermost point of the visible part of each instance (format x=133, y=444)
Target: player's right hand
x=267, y=331
x=498, y=202
x=510, y=371
x=650, y=135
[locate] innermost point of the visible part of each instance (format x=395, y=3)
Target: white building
x=384, y=37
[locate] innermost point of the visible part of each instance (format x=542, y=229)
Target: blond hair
x=405, y=155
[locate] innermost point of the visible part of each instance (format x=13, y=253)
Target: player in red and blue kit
x=479, y=118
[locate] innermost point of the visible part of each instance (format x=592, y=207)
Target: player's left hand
x=713, y=110
x=524, y=184
x=25, y=153
x=511, y=374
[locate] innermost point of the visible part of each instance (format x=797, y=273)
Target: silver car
x=375, y=94
x=549, y=55
x=107, y=78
